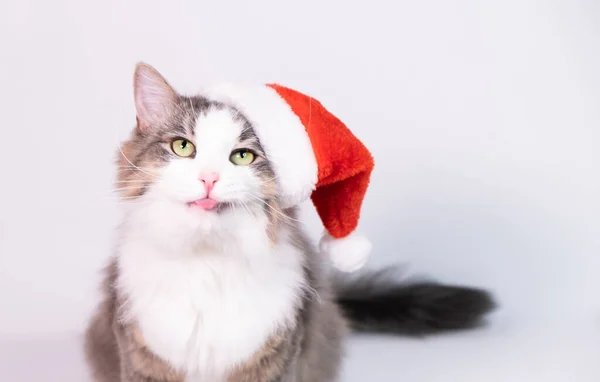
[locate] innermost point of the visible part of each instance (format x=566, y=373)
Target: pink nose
x=209, y=179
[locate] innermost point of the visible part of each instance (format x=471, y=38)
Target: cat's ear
x=154, y=97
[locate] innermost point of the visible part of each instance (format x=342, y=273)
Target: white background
x=483, y=117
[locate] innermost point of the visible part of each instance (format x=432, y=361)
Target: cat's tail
x=377, y=302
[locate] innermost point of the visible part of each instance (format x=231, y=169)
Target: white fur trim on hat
x=282, y=135
x=347, y=254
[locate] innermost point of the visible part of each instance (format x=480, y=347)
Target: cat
x=213, y=281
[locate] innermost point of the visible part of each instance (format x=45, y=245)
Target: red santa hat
x=329, y=164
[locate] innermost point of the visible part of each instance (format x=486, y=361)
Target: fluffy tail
x=375, y=302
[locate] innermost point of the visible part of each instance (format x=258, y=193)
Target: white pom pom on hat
x=336, y=167
x=347, y=254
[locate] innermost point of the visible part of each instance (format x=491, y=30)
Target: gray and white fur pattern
x=234, y=293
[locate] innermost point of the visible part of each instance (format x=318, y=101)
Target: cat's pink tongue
x=205, y=204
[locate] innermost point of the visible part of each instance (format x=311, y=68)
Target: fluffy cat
x=213, y=281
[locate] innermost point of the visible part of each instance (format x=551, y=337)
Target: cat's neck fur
x=194, y=291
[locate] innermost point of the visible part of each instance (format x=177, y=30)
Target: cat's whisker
x=262, y=183
x=131, y=163
x=259, y=206
x=261, y=203
x=127, y=188
x=235, y=204
x=127, y=203
x=268, y=180
x=130, y=186
x=116, y=193
x=132, y=181
x=113, y=198
x=133, y=172
x=121, y=197
x=137, y=168
x=284, y=216
x=245, y=206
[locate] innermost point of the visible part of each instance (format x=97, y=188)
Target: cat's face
x=193, y=165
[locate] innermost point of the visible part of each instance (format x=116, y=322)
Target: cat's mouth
x=208, y=204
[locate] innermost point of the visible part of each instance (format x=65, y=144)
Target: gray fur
x=310, y=351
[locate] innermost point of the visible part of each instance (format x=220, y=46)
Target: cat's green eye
x=242, y=158
x=183, y=148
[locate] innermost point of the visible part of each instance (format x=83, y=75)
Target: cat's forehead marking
x=218, y=124
x=186, y=114
x=216, y=133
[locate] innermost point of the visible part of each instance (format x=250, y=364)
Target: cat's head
x=193, y=166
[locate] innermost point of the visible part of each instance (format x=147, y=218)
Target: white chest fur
x=207, y=312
